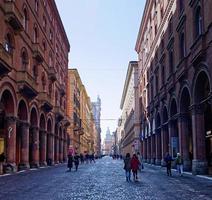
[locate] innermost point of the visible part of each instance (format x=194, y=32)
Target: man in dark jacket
x=168, y=159
x=127, y=166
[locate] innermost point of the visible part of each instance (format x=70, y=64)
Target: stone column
x=62, y=150
x=50, y=148
x=57, y=149
x=149, y=150
x=170, y=136
x=43, y=147
x=65, y=151
x=11, y=141
x=183, y=141
x=164, y=143
x=24, y=164
x=153, y=157
x=35, y=147
x=199, y=163
x=158, y=147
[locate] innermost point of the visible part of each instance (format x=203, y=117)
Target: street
x=103, y=180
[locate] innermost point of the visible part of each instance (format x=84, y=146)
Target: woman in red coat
x=135, y=166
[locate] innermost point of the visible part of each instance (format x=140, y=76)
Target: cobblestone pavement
x=103, y=180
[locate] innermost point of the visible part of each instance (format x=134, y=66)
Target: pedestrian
x=2, y=160
x=135, y=166
x=87, y=158
x=76, y=161
x=127, y=167
x=179, y=163
x=140, y=158
x=81, y=158
x=168, y=160
x=70, y=161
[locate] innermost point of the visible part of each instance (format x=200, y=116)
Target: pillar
x=199, y=163
x=158, y=147
x=11, y=141
x=183, y=141
x=164, y=143
x=35, y=147
x=24, y=164
x=50, y=148
x=153, y=157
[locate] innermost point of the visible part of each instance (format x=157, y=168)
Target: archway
x=203, y=121
x=22, y=137
x=173, y=127
x=185, y=125
x=33, y=132
x=7, y=123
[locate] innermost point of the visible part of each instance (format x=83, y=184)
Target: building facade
x=174, y=48
x=129, y=121
x=108, y=143
x=79, y=110
x=96, y=107
x=33, y=73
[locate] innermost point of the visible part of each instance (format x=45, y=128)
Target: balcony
x=5, y=61
x=13, y=16
x=38, y=53
x=52, y=74
x=27, y=84
x=46, y=101
x=59, y=113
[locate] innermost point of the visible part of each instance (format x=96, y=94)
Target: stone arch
x=22, y=110
x=202, y=112
x=8, y=102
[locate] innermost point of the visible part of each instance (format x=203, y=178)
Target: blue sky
x=102, y=35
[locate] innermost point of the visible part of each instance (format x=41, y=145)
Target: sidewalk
x=175, y=171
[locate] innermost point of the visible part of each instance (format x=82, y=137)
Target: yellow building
x=79, y=111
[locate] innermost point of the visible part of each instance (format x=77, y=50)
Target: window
x=44, y=45
x=35, y=71
x=35, y=35
x=50, y=60
x=44, y=23
x=198, y=22
x=50, y=35
x=36, y=5
x=156, y=29
x=156, y=82
x=8, y=43
x=24, y=59
x=25, y=19
x=56, y=98
x=181, y=5
x=163, y=75
x=170, y=27
x=43, y=79
x=182, y=45
x=171, y=60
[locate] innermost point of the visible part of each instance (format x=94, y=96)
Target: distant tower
x=96, y=108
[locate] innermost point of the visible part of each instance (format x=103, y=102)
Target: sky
x=102, y=36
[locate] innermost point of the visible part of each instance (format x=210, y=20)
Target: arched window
x=56, y=98
x=182, y=45
x=43, y=79
x=35, y=71
x=36, y=5
x=171, y=61
x=198, y=22
x=50, y=59
x=35, y=35
x=25, y=19
x=24, y=59
x=181, y=5
x=44, y=45
x=8, y=43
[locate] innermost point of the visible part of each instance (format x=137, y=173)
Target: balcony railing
x=5, y=61
x=13, y=16
x=27, y=84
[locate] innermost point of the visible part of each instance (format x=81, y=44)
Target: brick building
x=33, y=73
x=174, y=48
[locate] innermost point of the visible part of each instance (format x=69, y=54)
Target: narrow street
x=103, y=180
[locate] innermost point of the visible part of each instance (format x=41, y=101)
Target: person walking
x=141, y=161
x=70, y=161
x=76, y=161
x=135, y=166
x=168, y=160
x=179, y=163
x=2, y=160
x=127, y=167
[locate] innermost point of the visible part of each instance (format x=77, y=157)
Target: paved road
x=103, y=180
